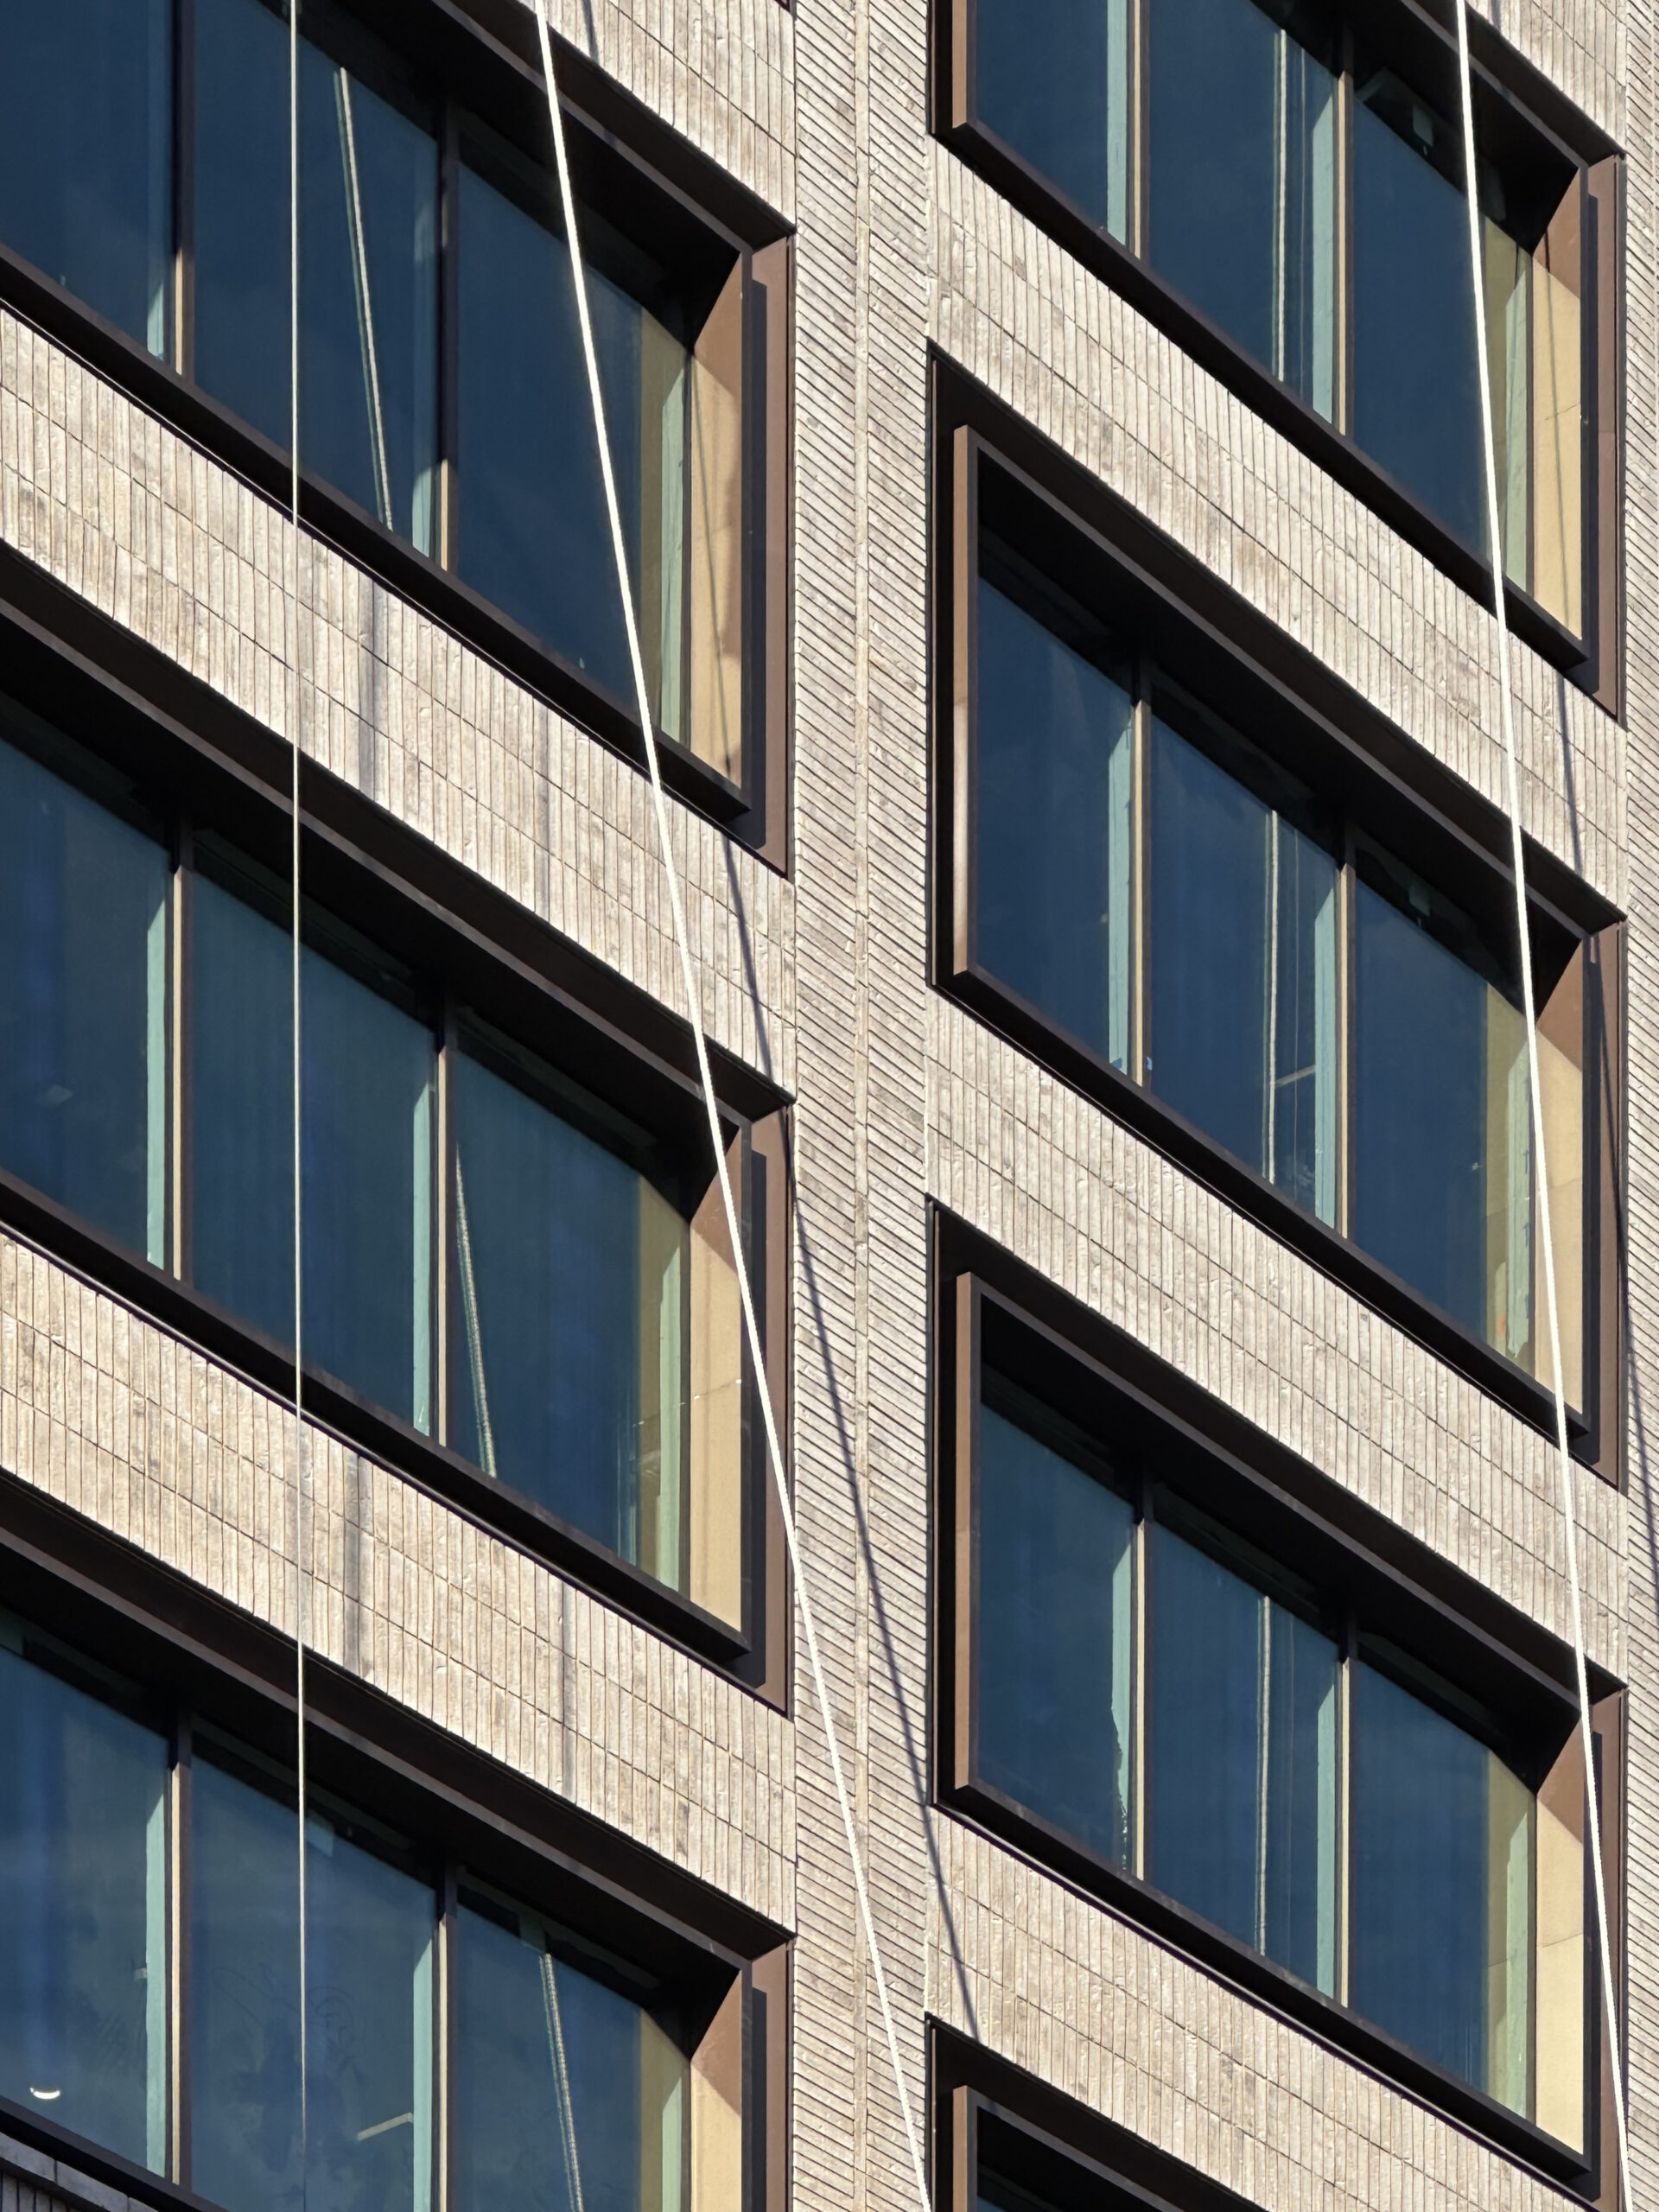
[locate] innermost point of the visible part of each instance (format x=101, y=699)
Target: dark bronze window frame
x=202, y=1658
x=1514, y=102
x=134, y=707
x=1297, y=712
x=1218, y=1463
x=484, y=56
x=1072, y=2159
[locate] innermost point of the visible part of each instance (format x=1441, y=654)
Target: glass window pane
x=1242, y=196
x=83, y=1005
x=1054, y=1620
x=1241, y=1759
x=533, y=535
x=369, y=2034
x=1052, y=79
x=368, y=264
x=1561, y=1070
x=571, y=1273
x=1440, y=1889
x=1442, y=1153
x=86, y=154
x=367, y=1117
x=567, y=2093
x=83, y=1939
x=1243, y=973
x=1053, y=854
x=1416, y=396
x=1557, y=551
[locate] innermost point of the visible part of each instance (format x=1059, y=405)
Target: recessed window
x=1143, y=889
x=1154, y=1694
x=443, y=391
x=1295, y=177
x=504, y=1261
x=151, y=1875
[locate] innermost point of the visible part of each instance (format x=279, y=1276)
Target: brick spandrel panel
x=150, y=1439
x=178, y=551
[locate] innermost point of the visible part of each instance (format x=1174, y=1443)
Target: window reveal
x=1150, y=884
x=1146, y=1686
x=584, y=1289
x=1309, y=204
x=569, y=2067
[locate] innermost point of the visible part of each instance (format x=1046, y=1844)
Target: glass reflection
x=1243, y=973
x=1054, y=826
x=1243, y=192
x=1242, y=1759
x=367, y=1117
x=569, y=2095
x=571, y=1275
x=1052, y=80
x=86, y=154
x=83, y=1956
x=83, y=1005
x=1416, y=390
x=1055, y=1624
x=533, y=534
x=1441, y=1881
x=368, y=264
x=1442, y=1144
x=369, y=1937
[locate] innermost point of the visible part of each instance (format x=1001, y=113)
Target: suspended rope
x=1518, y=866
x=693, y=1007
x=301, y=1590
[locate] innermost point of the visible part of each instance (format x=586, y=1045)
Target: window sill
x=388, y=559
x=1252, y=1195
x=204, y=1326
x=1259, y=1980
x=1274, y=402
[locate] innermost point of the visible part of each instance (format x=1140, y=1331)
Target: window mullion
x=1138, y=1686
x=183, y=346
x=443, y=2195
x=1343, y=380
x=1140, y=894
x=442, y=1239
x=178, y=2156
x=1345, y=1043
x=446, y=548
x=1345, y=1809
x=178, y=1256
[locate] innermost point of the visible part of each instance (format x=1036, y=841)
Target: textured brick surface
x=822, y=110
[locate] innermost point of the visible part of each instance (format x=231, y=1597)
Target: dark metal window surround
x=1160, y=884
x=1281, y=191
x=457, y=1942
x=1104, y=1532
x=447, y=443
x=477, y=1141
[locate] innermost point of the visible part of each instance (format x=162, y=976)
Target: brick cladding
x=822, y=980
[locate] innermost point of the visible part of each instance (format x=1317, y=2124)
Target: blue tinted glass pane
x=1213, y=68
x=1416, y=396
x=565, y=1261
x=566, y=2092
x=368, y=264
x=1419, y=1109
x=83, y=1005
x=1302, y=1146
x=1052, y=808
x=1439, y=1888
x=1052, y=1687
x=368, y=1167
x=1212, y=851
x=86, y=158
x=369, y=2039
x=1204, y=1735
x=1299, y=1889
x=533, y=536
x=83, y=1957
x=1052, y=78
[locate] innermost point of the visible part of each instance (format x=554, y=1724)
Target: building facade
x=1049, y=442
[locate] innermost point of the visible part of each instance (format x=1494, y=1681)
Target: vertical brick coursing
x=822, y=980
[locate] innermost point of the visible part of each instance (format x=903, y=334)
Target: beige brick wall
x=822, y=110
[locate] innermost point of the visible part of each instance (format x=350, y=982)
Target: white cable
x=1512, y=789
x=689, y=978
